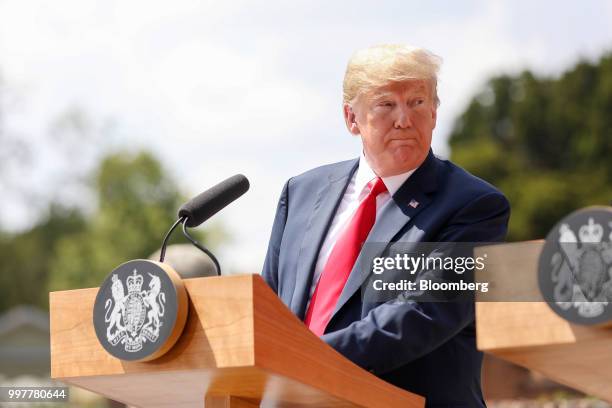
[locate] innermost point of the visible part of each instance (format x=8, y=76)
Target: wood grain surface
x=239, y=341
x=531, y=334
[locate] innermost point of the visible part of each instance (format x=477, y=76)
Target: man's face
x=395, y=123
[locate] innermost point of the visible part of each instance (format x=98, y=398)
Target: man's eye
x=385, y=103
x=418, y=102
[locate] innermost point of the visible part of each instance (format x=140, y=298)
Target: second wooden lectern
x=241, y=347
x=530, y=334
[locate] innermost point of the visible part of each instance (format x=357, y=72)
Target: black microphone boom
x=211, y=201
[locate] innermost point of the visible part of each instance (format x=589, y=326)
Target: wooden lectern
x=241, y=347
x=530, y=334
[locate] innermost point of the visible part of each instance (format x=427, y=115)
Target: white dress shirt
x=356, y=191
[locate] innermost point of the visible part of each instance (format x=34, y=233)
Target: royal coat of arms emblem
x=126, y=314
x=575, y=271
x=140, y=310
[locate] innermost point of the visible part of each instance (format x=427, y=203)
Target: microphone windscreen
x=211, y=201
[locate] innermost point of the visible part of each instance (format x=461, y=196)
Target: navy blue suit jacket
x=427, y=348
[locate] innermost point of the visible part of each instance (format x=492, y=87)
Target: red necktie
x=341, y=261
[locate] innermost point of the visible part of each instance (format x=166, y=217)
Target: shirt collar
x=365, y=174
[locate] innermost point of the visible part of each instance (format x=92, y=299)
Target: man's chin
x=407, y=153
x=407, y=158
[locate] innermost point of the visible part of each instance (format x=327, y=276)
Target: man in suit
x=397, y=191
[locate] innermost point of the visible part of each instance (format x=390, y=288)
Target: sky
x=252, y=87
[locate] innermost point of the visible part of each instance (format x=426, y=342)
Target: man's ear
x=350, y=119
x=434, y=116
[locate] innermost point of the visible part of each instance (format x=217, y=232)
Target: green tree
x=26, y=255
x=545, y=142
x=137, y=202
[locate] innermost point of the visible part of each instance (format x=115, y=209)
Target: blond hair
x=382, y=64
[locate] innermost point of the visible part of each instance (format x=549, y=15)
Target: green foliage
x=26, y=256
x=67, y=249
x=545, y=142
x=137, y=204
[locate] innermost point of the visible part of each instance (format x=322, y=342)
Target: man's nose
x=403, y=120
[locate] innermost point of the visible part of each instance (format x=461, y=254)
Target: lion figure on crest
x=118, y=307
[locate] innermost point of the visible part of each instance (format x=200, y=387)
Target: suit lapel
x=411, y=198
x=328, y=199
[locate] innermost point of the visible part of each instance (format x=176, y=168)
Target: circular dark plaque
x=140, y=310
x=575, y=267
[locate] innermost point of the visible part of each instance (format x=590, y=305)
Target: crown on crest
x=591, y=232
x=134, y=282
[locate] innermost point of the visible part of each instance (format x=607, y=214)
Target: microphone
x=211, y=201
